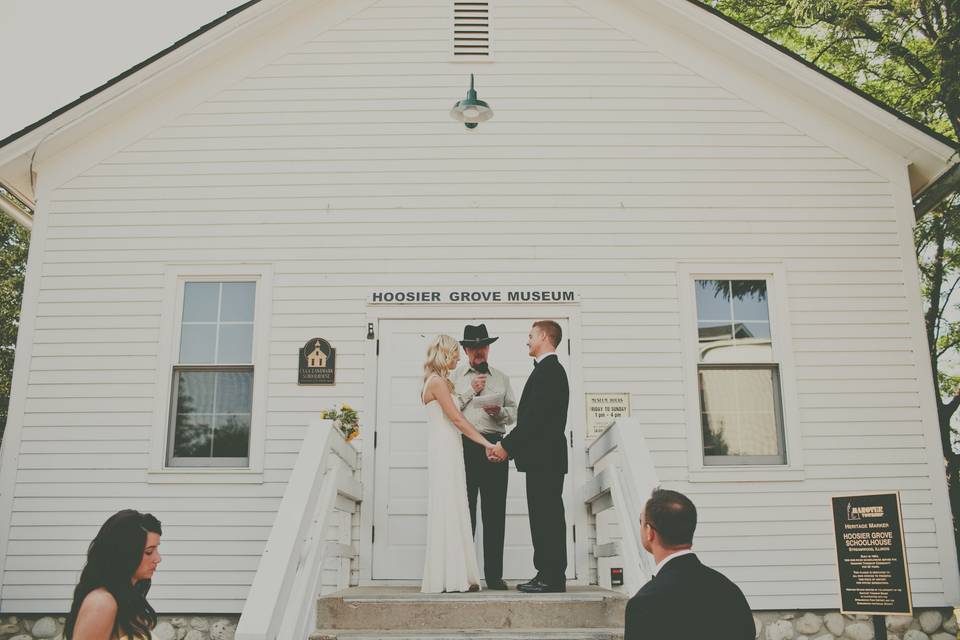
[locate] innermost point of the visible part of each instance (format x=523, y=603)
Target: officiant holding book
x=487, y=401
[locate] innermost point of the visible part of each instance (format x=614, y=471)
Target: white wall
x=605, y=164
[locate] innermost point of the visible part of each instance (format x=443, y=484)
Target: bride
x=451, y=560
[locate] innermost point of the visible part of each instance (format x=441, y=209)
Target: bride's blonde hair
x=440, y=352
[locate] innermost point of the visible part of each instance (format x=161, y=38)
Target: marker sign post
x=871, y=557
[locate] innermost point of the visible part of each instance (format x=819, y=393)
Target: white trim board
x=174, y=278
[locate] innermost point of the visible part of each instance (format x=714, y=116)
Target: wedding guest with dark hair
x=110, y=601
x=681, y=585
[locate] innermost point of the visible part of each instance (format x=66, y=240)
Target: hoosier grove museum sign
x=473, y=296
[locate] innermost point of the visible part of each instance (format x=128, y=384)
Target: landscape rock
x=780, y=630
x=835, y=623
x=164, y=631
x=930, y=621
x=44, y=628
x=950, y=625
x=859, y=631
x=222, y=630
x=899, y=624
x=809, y=623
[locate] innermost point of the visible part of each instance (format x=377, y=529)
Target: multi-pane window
x=741, y=413
x=213, y=377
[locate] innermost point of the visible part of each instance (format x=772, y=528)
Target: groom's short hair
x=552, y=330
x=672, y=515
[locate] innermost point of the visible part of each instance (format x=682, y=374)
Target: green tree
x=14, y=241
x=905, y=53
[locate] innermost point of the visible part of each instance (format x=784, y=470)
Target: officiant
x=487, y=400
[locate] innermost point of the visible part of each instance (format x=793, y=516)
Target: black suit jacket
x=538, y=441
x=686, y=588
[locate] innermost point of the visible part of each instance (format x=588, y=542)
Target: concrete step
x=461, y=634
x=406, y=609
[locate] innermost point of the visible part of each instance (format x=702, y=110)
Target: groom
x=539, y=446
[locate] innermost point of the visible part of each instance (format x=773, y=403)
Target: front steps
x=403, y=613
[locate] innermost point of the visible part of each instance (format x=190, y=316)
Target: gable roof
x=129, y=72
x=75, y=109
x=843, y=83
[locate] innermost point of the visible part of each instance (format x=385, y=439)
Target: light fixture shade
x=471, y=111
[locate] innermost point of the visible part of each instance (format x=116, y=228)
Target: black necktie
x=535, y=364
x=481, y=367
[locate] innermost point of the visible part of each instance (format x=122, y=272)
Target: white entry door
x=400, y=484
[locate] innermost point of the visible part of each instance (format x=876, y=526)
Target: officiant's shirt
x=497, y=383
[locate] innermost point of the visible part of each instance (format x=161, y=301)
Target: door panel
x=400, y=483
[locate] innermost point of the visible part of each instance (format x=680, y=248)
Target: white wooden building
x=258, y=184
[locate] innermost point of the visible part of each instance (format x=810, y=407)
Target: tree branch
x=895, y=49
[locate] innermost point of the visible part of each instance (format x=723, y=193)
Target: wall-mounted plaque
x=318, y=363
x=603, y=409
x=871, y=556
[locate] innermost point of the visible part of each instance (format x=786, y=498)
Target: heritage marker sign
x=871, y=556
x=473, y=296
x=318, y=363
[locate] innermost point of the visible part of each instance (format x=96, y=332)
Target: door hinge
x=374, y=439
x=378, y=346
x=373, y=534
x=574, y=533
x=568, y=346
x=369, y=331
x=571, y=439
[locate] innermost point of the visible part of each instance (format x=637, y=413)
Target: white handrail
x=628, y=478
x=287, y=583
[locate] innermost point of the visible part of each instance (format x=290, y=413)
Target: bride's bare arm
x=441, y=393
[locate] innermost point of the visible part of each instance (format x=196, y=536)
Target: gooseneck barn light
x=471, y=111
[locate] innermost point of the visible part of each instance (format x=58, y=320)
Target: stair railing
x=621, y=477
x=282, y=600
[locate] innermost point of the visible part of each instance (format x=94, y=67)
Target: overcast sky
x=54, y=51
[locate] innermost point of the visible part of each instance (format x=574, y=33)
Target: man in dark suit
x=538, y=444
x=681, y=585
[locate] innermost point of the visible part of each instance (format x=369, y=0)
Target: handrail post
x=290, y=568
x=627, y=480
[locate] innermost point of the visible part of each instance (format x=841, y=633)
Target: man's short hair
x=672, y=515
x=552, y=330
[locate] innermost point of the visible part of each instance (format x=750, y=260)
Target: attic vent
x=471, y=28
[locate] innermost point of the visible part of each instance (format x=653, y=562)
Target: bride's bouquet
x=345, y=419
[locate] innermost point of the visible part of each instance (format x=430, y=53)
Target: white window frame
x=175, y=277
x=774, y=275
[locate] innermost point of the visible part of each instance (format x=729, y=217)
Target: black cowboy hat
x=476, y=336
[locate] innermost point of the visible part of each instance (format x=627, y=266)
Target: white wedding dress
x=451, y=560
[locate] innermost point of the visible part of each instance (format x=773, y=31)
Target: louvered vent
x=471, y=28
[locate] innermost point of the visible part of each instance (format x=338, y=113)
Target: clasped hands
x=496, y=453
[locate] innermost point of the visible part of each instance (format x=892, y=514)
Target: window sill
x=181, y=475
x=746, y=474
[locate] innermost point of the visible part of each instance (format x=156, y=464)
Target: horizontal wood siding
x=606, y=163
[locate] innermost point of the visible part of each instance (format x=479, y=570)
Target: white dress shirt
x=545, y=355
x=669, y=558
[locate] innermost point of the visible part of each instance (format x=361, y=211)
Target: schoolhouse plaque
x=318, y=363
x=871, y=556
